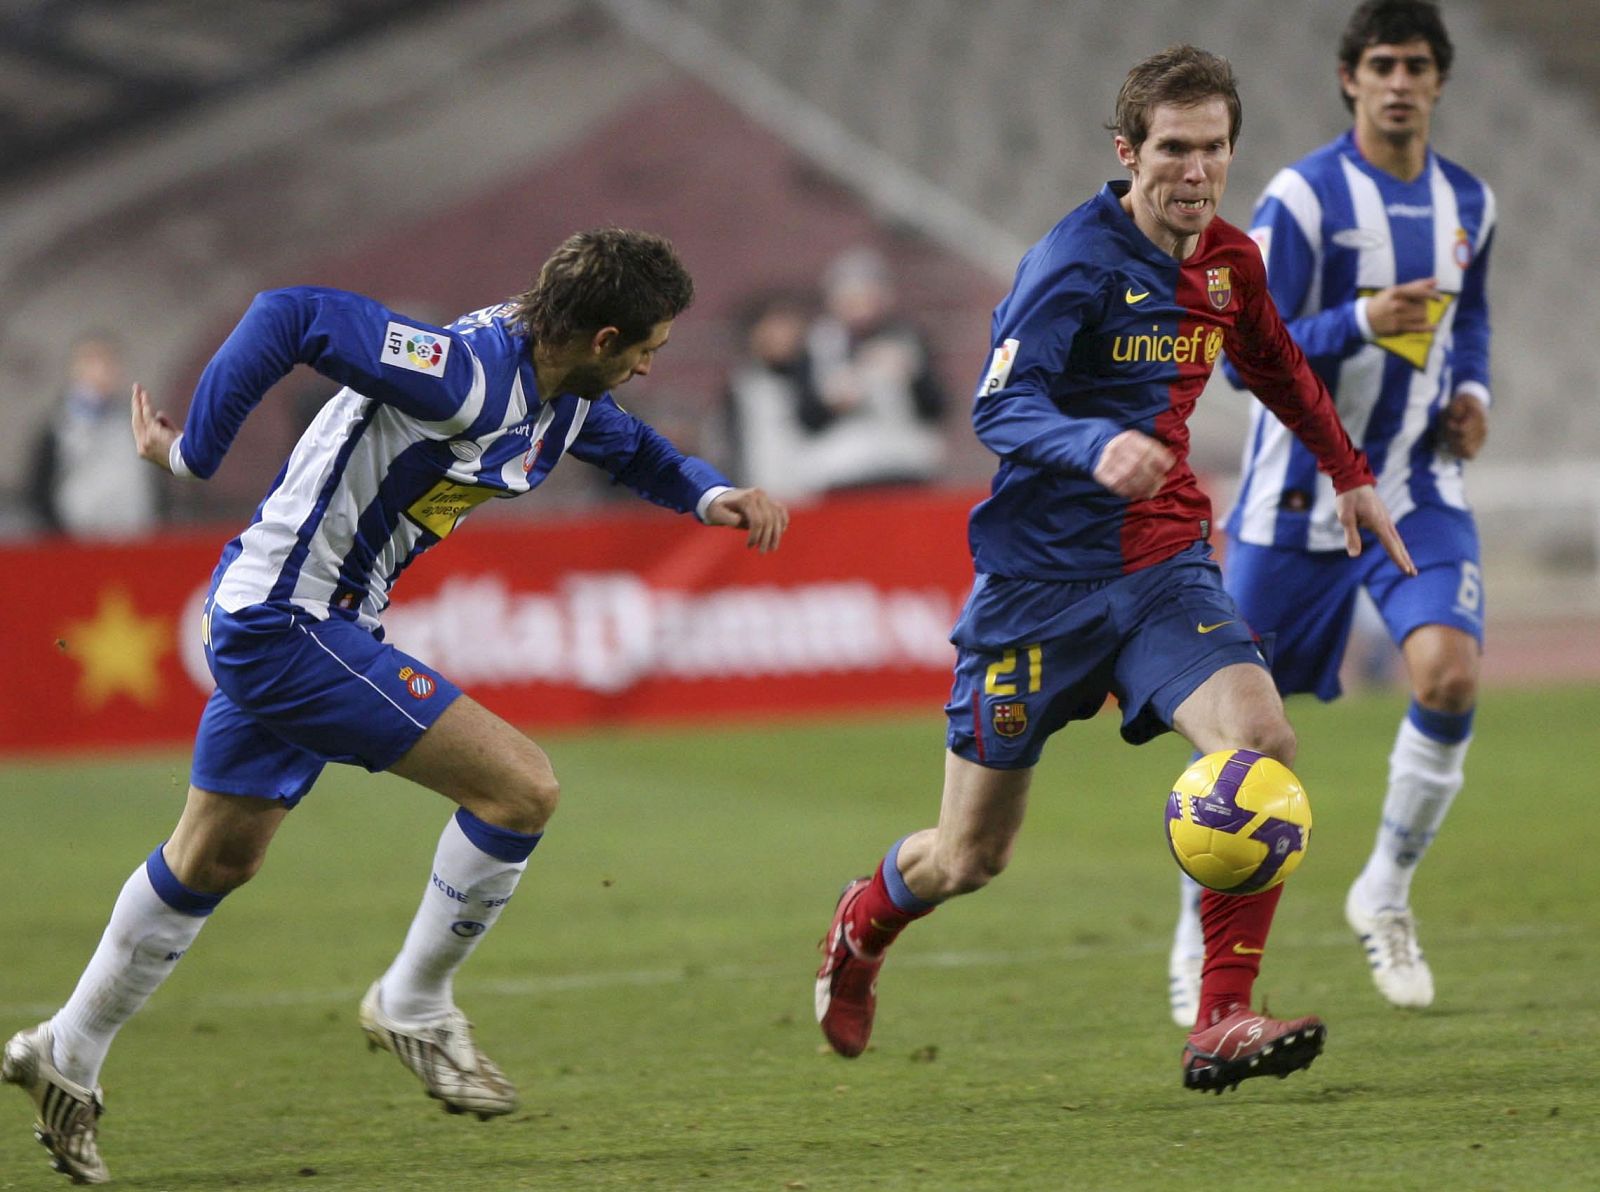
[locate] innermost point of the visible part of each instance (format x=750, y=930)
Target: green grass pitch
x=650, y=987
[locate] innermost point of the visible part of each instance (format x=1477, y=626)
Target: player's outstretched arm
x=750, y=509
x=153, y=432
x=1361, y=508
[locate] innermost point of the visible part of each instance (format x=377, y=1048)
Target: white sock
x=142, y=943
x=1424, y=777
x=465, y=895
x=1188, y=939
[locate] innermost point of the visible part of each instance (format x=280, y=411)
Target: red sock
x=1235, y=927
x=875, y=917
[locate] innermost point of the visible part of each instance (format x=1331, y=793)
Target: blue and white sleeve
x=644, y=460
x=425, y=371
x=1471, y=329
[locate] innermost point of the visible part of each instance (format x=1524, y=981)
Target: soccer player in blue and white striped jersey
x=432, y=421
x=1377, y=252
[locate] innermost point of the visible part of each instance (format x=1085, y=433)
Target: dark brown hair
x=1393, y=23
x=606, y=277
x=1179, y=75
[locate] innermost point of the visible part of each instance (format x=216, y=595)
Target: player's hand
x=1133, y=465
x=1362, y=509
x=1464, y=427
x=750, y=509
x=153, y=432
x=1403, y=308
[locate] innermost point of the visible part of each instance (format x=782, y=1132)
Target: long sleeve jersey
x=1104, y=332
x=431, y=423
x=1334, y=230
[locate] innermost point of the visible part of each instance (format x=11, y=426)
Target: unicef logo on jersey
x=425, y=351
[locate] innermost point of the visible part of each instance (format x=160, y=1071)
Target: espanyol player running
x=432, y=422
x=1378, y=249
x=1093, y=573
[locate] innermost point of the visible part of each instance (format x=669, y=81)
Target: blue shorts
x=1032, y=655
x=294, y=693
x=1302, y=603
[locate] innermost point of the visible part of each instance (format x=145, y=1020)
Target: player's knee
x=221, y=871
x=972, y=868
x=1273, y=736
x=527, y=801
x=1451, y=688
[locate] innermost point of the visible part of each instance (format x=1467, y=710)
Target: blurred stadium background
x=165, y=159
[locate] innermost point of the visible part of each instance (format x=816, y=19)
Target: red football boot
x=847, y=982
x=1242, y=1044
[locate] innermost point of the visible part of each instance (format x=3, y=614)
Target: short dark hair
x=606, y=277
x=1180, y=75
x=1394, y=22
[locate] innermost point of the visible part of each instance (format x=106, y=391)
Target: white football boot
x=445, y=1058
x=67, y=1114
x=1389, y=935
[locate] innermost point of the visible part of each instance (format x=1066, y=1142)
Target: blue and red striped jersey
x=1104, y=332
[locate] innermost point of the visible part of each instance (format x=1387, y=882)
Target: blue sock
x=173, y=892
x=899, y=893
x=1448, y=728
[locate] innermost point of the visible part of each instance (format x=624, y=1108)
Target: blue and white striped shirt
x=431, y=423
x=1333, y=230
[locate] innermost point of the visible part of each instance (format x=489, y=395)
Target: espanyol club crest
x=1219, y=287
x=420, y=686
x=1463, y=249
x=530, y=455
x=1010, y=720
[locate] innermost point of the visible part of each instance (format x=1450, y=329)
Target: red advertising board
x=612, y=617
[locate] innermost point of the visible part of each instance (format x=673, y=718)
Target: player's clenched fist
x=1133, y=465
x=751, y=509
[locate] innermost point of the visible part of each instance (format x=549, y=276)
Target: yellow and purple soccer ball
x=1238, y=821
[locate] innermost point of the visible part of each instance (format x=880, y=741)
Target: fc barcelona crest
x=1219, y=287
x=1010, y=720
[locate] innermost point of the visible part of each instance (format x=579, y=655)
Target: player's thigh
x=1237, y=707
x=1179, y=628
x=330, y=688
x=235, y=754
x=221, y=840
x=1301, y=604
x=475, y=758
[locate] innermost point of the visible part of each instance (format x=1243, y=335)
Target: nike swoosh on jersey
x=1241, y=950
x=1209, y=628
x=1133, y=299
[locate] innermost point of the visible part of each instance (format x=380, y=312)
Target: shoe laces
x=1394, y=935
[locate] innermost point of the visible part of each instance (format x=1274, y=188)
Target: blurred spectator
x=877, y=406
x=84, y=480
x=771, y=403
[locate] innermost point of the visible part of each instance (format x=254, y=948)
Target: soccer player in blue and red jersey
x=1377, y=251
x=432, y=422
x=1093, y=572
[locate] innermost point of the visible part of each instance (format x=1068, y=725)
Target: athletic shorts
x=294, y=693
x=1033, y=655
x=1302, y=603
